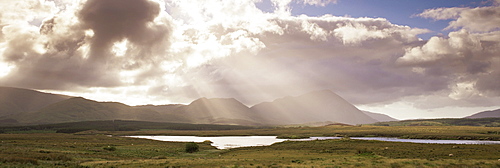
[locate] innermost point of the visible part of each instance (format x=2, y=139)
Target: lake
x=226, y=142
x=223, y=142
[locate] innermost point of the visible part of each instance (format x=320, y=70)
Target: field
x=415, y=132
x=99, y=149
x=419, y=129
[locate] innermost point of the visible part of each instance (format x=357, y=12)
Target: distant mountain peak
x=315, y=106
x=486, y=114
x=80, y=98
x=215, y=100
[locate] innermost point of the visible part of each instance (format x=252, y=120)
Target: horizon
x=406, y=59
x=249, y=106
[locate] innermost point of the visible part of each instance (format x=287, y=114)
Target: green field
x=415, y=132
x=98, y=149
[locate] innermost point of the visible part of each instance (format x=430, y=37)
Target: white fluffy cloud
x=319, y=2
x=473, y=19
x=467, y=57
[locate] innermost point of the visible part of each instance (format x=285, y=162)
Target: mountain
x=379, y=117
x=162, y=109
x=318, y=106
x=486, y=114
x=80, y=109
x=218, y=111
x=28, y=107
x=15, y=100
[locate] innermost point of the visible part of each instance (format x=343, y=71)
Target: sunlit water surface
x=226, y=142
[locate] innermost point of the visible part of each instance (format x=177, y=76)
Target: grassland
x=420, y=129
x=116, y=125
x=484, y=122
x=70, y=150
x=94, y=148
x=414, y=132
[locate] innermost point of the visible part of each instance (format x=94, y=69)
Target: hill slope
x=119, y=125
x=483, y=122
x=316, y=106
x=218, y=111
x=486, y=114
x=15, y=100
x=80, y=109
x=379, y=117
x=169, y=108
x=27, y=107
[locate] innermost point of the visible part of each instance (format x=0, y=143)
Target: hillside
x=218, y=111
x=80, y=109
x=169, y=108
x=379, y=117
x=319, y=106
x=484, y=122
x=16, y=100
x=119, y=125
x=315, y=107
x=486, y=114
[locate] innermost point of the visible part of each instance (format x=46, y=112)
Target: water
x=226, y=142
x=428, y=141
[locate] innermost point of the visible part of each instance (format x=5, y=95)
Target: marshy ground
x=98, y=149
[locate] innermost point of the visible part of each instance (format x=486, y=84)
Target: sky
x=405, y=58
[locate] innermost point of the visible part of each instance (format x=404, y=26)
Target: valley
x=46, y=130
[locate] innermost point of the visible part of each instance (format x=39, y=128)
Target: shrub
x=109, y=148
x=364, y=152
x=128, y=128
x=54, y=157
x=71, y=130
x=192, y=147
x=21, y=160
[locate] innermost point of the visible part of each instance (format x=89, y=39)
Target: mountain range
x=30, y=107
x=486, y=114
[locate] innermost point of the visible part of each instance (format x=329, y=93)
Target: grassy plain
x=98, y=149
x=416, y=132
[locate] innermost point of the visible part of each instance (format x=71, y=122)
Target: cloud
x=466, y=58
x=482, y=19
x=24, y=11
x=204, y=48
x=140, y=51
x=289, y=50
x=319, y=2
x=73, y=47
x=115, y=20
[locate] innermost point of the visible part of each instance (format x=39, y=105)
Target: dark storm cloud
x=115, y=20
x=74, y=48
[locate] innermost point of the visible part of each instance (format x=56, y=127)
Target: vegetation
x=99, y=144
x=117, y=125
x=70, y=150
x=409, y=132
x=486, y=122
x=192, y=147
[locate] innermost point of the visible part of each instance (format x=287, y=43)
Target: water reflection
x=226, y=142
x=429, y=141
